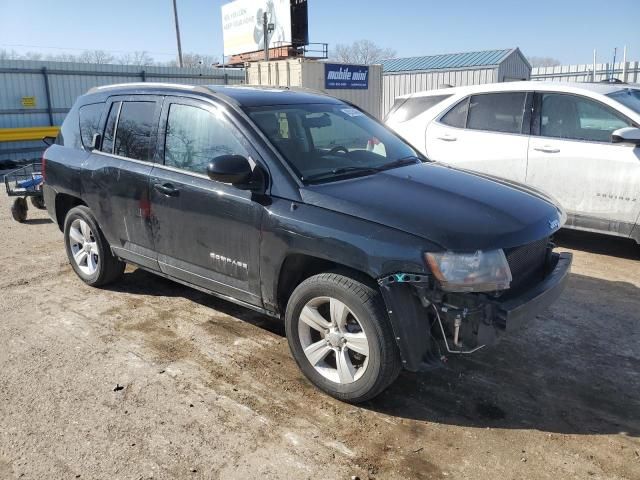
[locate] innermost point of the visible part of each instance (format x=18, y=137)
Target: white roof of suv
x=569, y=87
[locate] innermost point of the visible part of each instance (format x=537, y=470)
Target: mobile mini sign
x=346, y=76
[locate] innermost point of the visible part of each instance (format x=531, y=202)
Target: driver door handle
x=547, y=149
x=447, y=138
x=166, y=189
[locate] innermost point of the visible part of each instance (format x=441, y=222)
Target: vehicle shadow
x=572, y=370
x=598, y=243
x=37, y=221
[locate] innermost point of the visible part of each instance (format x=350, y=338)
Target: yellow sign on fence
x=28, y=102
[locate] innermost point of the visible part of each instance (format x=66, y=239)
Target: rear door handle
x=547, y=149
x=447, y=138
x=166, y=189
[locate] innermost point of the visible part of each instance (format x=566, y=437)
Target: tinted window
x=577, y=118
x=195, y=136
x=497, y=112
x=90, y=122
x=109, y=129
x=133, y=133
x=457, y=116
x=414, y=106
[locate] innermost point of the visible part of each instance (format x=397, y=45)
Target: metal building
x=415, y=74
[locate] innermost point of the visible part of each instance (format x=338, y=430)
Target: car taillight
x=43, y=168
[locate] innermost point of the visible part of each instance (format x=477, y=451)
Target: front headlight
x=470, y=272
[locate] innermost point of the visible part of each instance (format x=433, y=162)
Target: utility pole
x=175, y=16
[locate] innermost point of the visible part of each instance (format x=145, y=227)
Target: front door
x=571, y=157
x=206, y=233
x=115, y=178
x=486, y=133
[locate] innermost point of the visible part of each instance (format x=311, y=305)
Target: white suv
x=579, y=142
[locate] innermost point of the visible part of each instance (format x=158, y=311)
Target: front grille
x=527, y=263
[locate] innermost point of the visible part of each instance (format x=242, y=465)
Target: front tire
x=341, y=338
x=88, y=251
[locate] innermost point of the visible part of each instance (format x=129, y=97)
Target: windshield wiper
x=401, y=162
x=341, y=171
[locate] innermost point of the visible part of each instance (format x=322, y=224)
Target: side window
x=457, y=116
x=414, y=106
x=133, y=133
x=497, y=112
x=195, y=136
x=577, y=118
x=90, y=122
x=110, y=126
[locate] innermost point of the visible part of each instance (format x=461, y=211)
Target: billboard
x=346, y=76
x=242, y=25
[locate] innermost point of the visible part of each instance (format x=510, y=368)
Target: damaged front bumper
x=429, y=324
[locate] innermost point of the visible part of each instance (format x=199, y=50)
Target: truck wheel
x=19, y=209
x=341, y=338
x=38, y=202
x=87, y=249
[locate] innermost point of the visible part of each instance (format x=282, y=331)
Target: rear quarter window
x=90, y=122
x=406, y=109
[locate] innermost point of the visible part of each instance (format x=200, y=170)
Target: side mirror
x=96, y=142
x=233, y=169
x=626, y=135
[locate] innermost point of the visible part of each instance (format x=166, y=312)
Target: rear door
x=116, y=177
x=206, y=233
x=571, y=156
x=487, y=133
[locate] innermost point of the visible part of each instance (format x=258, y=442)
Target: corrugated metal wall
x=584, y=72
x=67, y=81
x=514, y=68
x=398, y=84
x=310, y=74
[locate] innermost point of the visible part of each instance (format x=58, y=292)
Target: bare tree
x=96, y=56
x=9, y=54
x=140, y=58
x=362, y=51
x=195, y=60
x=543, y=61
x=62, y=57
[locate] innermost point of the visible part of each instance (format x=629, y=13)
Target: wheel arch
x=297, y=267
x=63, y=203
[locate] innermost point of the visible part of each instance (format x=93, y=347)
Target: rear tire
x=19, y=210
x=88, y=251
x=353, y=362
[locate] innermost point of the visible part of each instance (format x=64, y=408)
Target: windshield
x=326, y=142
x=629, y=97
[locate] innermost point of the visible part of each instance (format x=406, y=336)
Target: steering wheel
x=337, y=149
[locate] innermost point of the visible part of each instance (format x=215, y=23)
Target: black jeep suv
x=302, y=207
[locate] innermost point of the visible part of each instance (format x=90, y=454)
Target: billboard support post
x=265, y=31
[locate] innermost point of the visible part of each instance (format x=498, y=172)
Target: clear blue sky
x=568, y=30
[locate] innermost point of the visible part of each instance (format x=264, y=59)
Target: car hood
x=455, y=209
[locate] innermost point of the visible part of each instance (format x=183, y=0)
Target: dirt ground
x=149, y=379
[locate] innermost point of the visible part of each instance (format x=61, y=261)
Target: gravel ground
x=149, y=379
